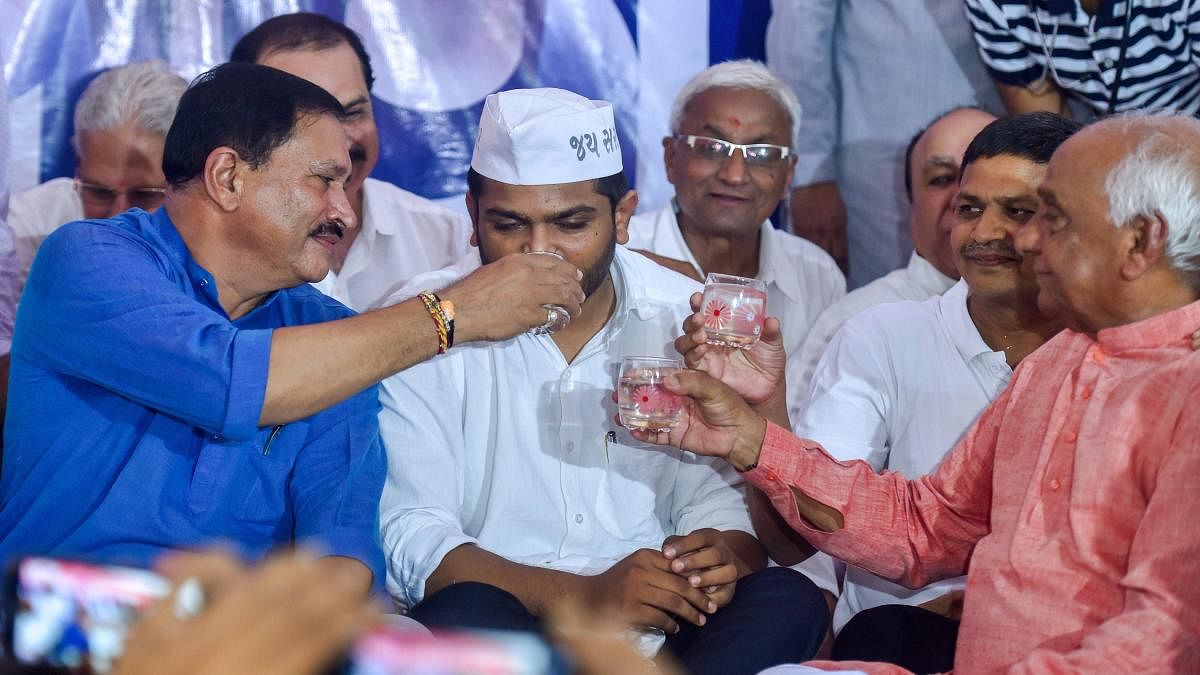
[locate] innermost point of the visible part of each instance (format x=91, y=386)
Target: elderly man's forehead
x=709, y=104
x=1086, y=157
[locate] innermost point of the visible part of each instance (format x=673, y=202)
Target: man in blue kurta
x=175, y=380
x=138, y=388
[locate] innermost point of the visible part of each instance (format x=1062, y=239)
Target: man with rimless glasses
x=121, y=122
x=730, y=157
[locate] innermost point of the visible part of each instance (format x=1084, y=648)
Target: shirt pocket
x=249, y=478
x=271, y=461
x=634, y=503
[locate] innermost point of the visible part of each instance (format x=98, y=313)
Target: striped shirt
x=1028, y=42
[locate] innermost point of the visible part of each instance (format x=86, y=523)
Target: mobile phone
x=389, y=651
x=74, y=614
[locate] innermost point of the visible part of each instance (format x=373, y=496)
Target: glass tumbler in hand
x=734, y=309
x=642, y=401
x=557, y=317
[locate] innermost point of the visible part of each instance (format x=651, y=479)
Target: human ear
x=669, y=158
x=473, y=210
x=1143, y=244
x=223, y=177
x=621, y=215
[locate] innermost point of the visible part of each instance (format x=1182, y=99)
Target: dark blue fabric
x=476, y=606
x=133, y=407
x=911, y=637
x=776, y=616
x=471, y=604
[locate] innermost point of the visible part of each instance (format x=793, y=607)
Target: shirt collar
x=372, y=222
x=176, y=248
x=200, y=279
x=927, y=277
x=772, y=264
x=1168, y=328
x=631, y=287
x=631, y=293
x=674, y=235
x=963, y=331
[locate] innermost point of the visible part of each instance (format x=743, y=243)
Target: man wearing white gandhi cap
x=510, y=486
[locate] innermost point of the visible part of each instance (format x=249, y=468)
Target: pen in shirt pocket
x=271, y=439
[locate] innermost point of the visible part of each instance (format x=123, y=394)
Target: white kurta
x=34, y=213
x=505, y=445
x=918, y=281
x=801, y=279
x=402, y=235
x=898, y=386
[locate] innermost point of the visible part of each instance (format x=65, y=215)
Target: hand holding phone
x=293, y=614
x=73, y=614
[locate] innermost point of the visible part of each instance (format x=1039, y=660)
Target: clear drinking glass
x=642, y=402
x=734, y=309
x=557, y=317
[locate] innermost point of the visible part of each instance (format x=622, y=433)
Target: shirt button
x=1054, y=484
x=771, y=475
x=1097, y=355
x=1108, y=63
x=204, y=282
x=578, y=518
x=570, y=446
x=218, y=438
x=1085, y=394
x=1070, y=436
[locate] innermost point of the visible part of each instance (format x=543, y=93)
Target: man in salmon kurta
x=1070, y=503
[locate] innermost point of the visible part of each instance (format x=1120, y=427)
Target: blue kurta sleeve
x=103, y=306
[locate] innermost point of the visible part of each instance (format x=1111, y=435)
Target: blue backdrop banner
x=435, y=61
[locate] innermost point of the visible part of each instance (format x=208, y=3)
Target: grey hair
x=1161, y=174
x=145, y=93
x=740, y=74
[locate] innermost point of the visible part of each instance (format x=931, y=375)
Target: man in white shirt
x=121, y=123
x=511, y=488
x=717, y=221
x=930, y=181
x=901, y=382
x=400, y=234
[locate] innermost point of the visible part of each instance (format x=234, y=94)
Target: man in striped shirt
x=1088, y=57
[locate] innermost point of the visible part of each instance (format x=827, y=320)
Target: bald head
x=1118, y=239
x=932, y=165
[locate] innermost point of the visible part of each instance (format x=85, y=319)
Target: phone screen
x=73, y=614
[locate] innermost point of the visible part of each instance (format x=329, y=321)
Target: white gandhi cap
x=546, y=137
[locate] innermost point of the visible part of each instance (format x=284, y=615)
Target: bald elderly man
x=1069, y=503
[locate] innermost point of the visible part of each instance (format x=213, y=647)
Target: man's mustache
x=997, y=247
x=334, y=227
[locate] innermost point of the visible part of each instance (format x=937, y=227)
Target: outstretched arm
x=913, y=532
x=313, y=367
